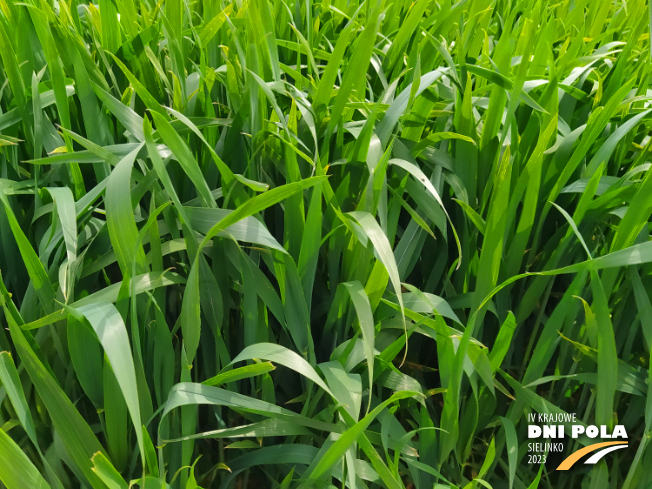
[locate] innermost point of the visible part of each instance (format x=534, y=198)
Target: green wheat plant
x=322, y=244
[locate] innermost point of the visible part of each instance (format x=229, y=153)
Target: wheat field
x=330, y=244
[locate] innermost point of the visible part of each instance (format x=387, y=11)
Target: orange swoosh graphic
x=575, y=456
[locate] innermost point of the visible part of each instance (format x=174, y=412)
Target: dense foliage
x=221, y=222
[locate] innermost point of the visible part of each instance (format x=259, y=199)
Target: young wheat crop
x=295, y=244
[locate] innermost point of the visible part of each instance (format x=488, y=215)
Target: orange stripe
x=575, y=456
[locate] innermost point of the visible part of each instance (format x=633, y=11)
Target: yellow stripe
x=575, y=456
